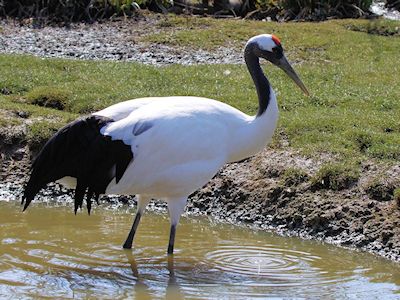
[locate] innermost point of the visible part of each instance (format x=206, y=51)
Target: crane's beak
x=285, y=66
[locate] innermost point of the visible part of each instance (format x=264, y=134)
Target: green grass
x=353, y=112
x=381, y=187
x=293, y=177
x=335, y=176
x=380, y=27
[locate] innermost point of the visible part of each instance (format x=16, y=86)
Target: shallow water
x=50, y=252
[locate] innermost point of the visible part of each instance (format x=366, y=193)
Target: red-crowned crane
x=160, y=147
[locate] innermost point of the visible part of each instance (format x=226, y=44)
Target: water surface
x=49, y=252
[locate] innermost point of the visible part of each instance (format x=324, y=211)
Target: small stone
x=22, y=114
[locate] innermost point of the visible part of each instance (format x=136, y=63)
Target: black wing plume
x=79, y=150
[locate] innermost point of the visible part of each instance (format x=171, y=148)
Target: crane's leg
x=176, y=206
x=129, y=239
x=171, y=239
x=142, y=202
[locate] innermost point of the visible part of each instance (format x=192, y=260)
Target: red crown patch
x=276, y=40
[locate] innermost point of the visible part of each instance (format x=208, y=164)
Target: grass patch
x=335, y=176
x=51, y=97
x=39, y=132
x=210, y=33
x=43, y=121
x=9, y=120
x=380, y=187
x=293, y=177
x=378, y=27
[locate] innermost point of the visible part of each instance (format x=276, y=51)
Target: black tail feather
x=122, y=159
x=27, y=202
x=80, y=192
x=79, y=150
x=89, y=196
x=96, y=198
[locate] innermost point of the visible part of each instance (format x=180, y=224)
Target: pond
x=49, y=252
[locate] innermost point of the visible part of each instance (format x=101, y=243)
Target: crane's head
x=269, y=47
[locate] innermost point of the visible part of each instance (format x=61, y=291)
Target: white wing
x=121, y=110
x=178, y=145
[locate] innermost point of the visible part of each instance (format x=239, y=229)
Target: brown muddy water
x=49, y=252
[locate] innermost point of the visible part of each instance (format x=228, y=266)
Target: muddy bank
x=257, y=193
x=264, y=192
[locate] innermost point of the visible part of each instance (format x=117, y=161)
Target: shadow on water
x=50, y=252
x=143, y=291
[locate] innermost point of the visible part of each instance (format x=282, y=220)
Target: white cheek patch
x=264, y=41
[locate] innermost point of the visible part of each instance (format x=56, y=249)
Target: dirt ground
x=108, y=40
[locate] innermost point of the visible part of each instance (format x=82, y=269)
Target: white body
x=190, y=139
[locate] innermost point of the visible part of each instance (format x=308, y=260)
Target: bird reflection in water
x=143, y=291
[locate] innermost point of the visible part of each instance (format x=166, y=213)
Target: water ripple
x=277, y=266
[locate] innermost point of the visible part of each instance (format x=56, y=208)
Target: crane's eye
x=278, y=51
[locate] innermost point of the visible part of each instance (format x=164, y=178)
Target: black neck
x=260, y=81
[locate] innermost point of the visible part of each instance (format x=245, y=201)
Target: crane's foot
x=126, y=245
